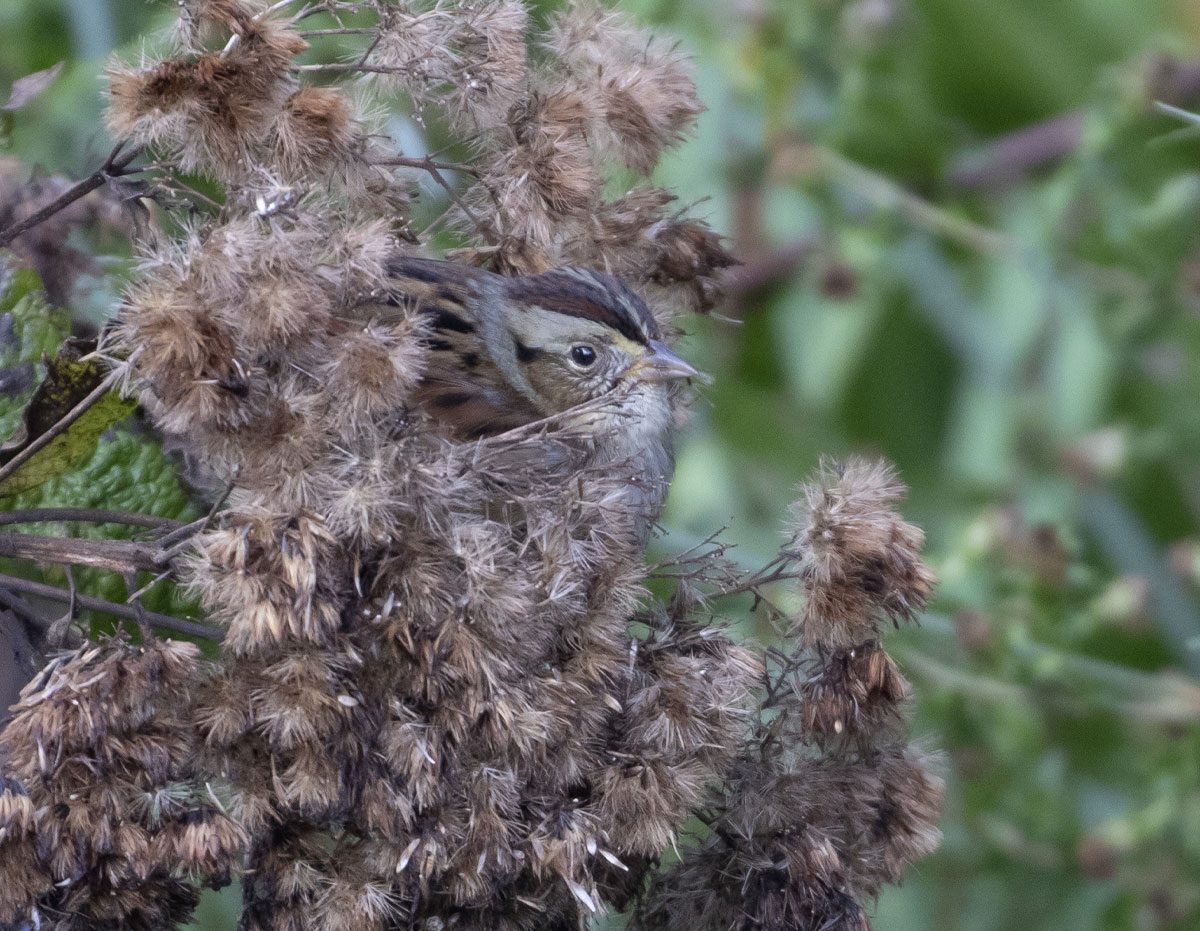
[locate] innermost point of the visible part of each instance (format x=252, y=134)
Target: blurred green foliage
x=1027, y=351
x=121, y=468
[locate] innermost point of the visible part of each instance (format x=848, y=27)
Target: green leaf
x=117, y=469
x=70, y=378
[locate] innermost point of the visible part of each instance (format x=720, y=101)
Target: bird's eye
x=583, y=355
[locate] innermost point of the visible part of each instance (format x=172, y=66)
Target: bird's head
x=578, y=334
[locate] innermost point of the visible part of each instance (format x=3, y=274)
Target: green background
x=1028, y=355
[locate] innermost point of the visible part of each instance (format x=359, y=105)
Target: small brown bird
x=504, y=352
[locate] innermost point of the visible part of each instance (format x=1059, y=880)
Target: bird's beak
x=661, y=364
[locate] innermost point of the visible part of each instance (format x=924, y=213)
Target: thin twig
x=370, y=48
x=73, y=590
x=425, y=162
x=343, y=31
x=60, y=631
x=342, y=67
x=182, y=533
x=143, y=623
x=169, y=554
x=430, y=164
x=165, y=621
x=114, y=167
x=61, y=427
x=115, y=555
x=86, y=516
x=484, y=231
x=23, y=609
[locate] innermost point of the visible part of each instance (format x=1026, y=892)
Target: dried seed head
x=270, y=577
x=648, y=99
x=860, y=560
x=211, y=111
x=314, y=134
x=469, y=58
x=542, y=175
x=855, y=693
x=104, y=750
x=231, y=16
x=904, y=823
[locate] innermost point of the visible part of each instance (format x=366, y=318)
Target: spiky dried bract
x=239, y=333
x=108, y=818
x=860, y=560
x=677, y=259
x=208, y=111
x=201, y=19
x=469, y=57
x=904, y=826
x=314, y=134
x=271, y=577
x=542, y=179
x=682, y=713
x=646, y=97
x=782, y=855
x=854, y=692
x=23, y=877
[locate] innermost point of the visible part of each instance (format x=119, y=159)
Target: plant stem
x=165, y=621
x=115, y=555
x=114, y=166
x=86, y=515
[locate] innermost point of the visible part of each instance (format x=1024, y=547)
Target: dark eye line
x=526, y=354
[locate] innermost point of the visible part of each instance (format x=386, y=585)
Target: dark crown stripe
x=590, y=296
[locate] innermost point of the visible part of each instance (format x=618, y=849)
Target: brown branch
x=114, y=167
x=1010, y=158
x=23, y=609
x=165, y=621
x=86, y=516
x=425, y=162
x=435, y=168
x=116, y=555
x=342, y=31
x=770, y=268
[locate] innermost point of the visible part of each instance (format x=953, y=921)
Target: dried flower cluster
x=828, y=802
x=103, y=822
x=431, y=709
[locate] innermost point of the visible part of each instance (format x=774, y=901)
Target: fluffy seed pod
x=648, y=100
x=211, y=110
x=270, y=577
x=313, y=134
x=855, y=691
x=106, y=851
x=542, y=174
x=861, y=561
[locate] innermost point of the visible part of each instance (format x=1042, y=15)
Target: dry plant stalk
x=429, y=708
